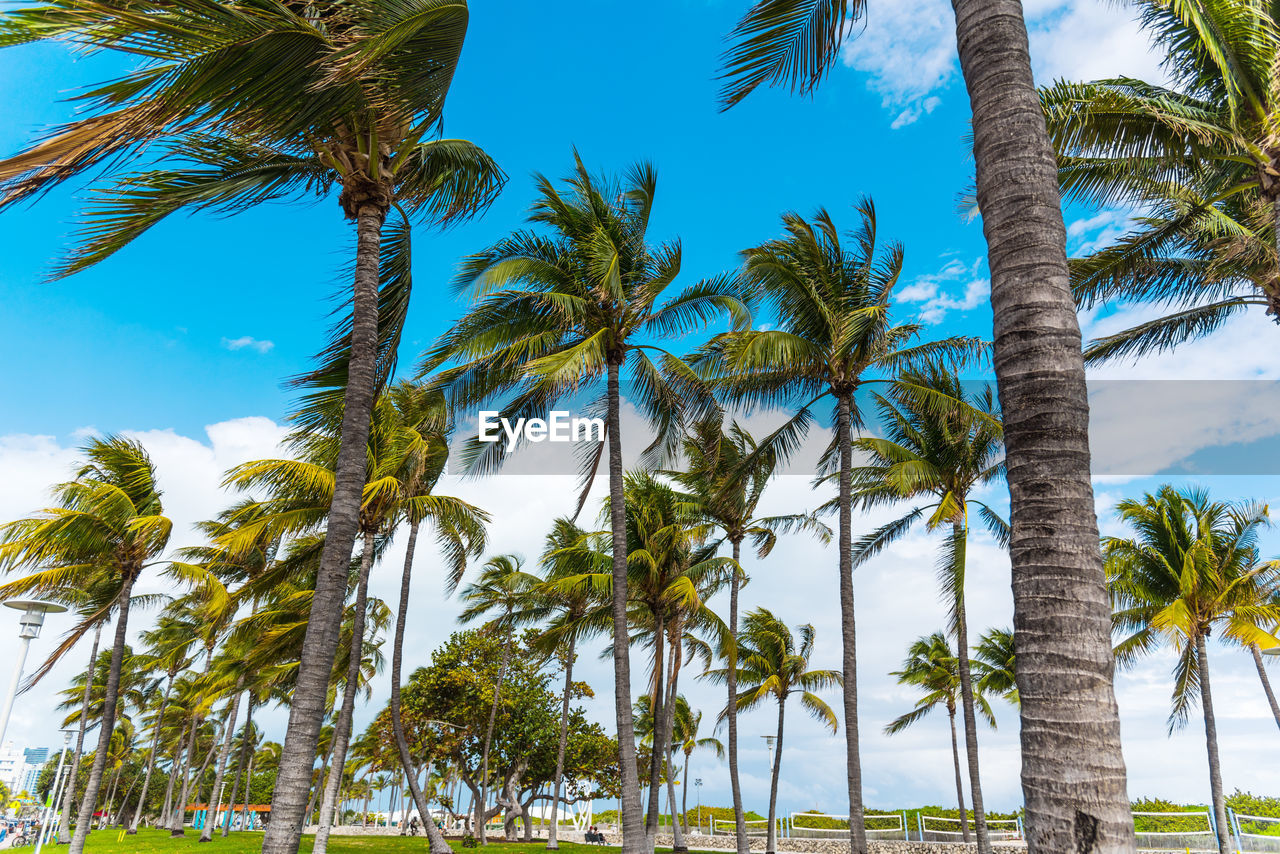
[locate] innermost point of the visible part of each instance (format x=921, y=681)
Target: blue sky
x=185, y=338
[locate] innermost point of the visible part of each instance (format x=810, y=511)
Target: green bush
x=469, y=841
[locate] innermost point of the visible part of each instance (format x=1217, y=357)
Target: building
x=11, y=767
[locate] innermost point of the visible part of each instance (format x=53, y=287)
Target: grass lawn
x=248, y=842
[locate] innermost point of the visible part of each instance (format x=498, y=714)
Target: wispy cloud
x=246, y=342
x=956, y=287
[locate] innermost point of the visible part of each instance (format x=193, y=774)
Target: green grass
x=248, y=842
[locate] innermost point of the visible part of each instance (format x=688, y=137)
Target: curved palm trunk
x=848, y=633
x=329, y=806
x=634, y=838
x=488, y=735
x=240, y=766
x=558, y=783
x=307, y=709
x=771, y=840
x=206, y=832
x=1266, y=683
x=435, y=838
x=731, y=710
x=955, y=759
x=151, y=760
x=960, y=538
x=107, y=726
x=1211, y=742
x=1073, y=774
x=64, y=823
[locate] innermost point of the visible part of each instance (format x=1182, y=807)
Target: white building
x=12, y=767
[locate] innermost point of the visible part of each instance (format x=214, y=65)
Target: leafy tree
x=560, y=311
x=1191, y=568
x=1059, y=588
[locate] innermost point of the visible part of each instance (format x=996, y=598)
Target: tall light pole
x=29, y=624
x=54, y=793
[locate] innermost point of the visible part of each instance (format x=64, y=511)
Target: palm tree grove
x=819, y=426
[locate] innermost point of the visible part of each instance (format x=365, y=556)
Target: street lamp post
x=55, y=793
x=28, y=629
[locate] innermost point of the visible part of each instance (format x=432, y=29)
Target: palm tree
x=726, y=477
x=169, y=645
x=834, y=335
x=283, y=102
x=996, y=665
x=503, y=590
x=773, y=665
x=933, y=667
x=108, y=523
x=940, y=456
x=1199, y=155
x=1191, y=568
x=1073, y=769
x=686, y=740
x=560, y=312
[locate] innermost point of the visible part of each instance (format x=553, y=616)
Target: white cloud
x=908, y=50
x=938, y=292
x=247, y=342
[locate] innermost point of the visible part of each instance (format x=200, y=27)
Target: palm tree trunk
x=151, y=760
x=248, y=793
x=960, y=539
x=666, y=726
x=178, y=818
x=848, y=633
x=307, y=709
x=557, y=785
x=488, y=735
x=684, y=796
x=107, y=726
x=634, y=838
x=955, y=759
x=245, y=742
x=658, y=709
x=206, y=833
x=342, y=729
x=111, y=797
x=64, y=823
x=1266, y=683
x=771, y=840
x=435, y=838
x=174, y=766
x=677, y=833
x=731, y=710
x=1073, y=774
x=1211, y=742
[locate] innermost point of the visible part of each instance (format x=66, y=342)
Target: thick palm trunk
x=960, y=543
x=1266, y=683
x=771, y=840
x=488, y=734
x=307, y=709
x=435, y=838
x=107, y=725
x=342, y=729
x=955, y=759
x=634, y=838
x=731, y=710
x=215, y=795
x=848, y=634
x=245, y=742
x=64, y=823
x=151, y=760
x=558, y=782
x=1219, y=805
x=1073, y=774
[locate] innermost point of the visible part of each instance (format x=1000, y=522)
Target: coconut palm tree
x=558, y=313
x=503, y=591
x=168, y=646
x=284, y=102
x=1190, y=569
x=834, y=334
x=107, y=523
x=726, y=477
x=1060, y=595
x=940, y=456
x=685, y=739
x=1199, y=155
x=933, y=667
x=773, y=665
x=995, y=664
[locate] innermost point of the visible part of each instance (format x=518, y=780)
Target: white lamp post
x=29, y=625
